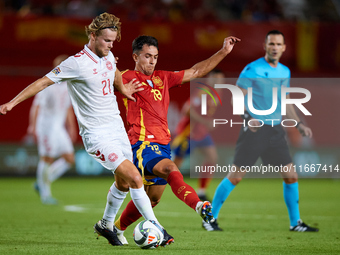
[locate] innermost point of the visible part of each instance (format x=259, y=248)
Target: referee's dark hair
x=275, y=32
x=140, y=41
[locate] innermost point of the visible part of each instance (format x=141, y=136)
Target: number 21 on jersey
x=106, y=87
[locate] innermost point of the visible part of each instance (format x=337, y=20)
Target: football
x=148, y=234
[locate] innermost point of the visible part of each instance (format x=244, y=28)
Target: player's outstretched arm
x=204, y=67
x=127, y=89
x=28, y=92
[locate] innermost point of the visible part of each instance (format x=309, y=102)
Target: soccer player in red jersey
x=148, y=127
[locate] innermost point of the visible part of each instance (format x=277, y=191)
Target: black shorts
x=269, y=143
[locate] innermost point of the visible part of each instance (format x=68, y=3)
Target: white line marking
x=90, y=208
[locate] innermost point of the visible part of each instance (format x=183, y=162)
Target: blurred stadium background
x=34, y=32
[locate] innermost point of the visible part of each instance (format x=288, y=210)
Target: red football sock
x=204, y=178
x=128, y=216
x=203, y=182
x=182, y=190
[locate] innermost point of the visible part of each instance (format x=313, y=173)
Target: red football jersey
x=147, y=117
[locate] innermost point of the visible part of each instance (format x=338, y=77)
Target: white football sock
x=115, y=198
x=42, y=180
x=198, y=207
x=58, y=168
x=143, y=204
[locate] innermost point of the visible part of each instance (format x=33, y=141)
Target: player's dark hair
x=275, y=32
x=140, y=41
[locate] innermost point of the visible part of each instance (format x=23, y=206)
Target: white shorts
x=110, y=150
x=54, y=142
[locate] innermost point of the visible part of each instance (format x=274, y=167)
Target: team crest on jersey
x=150, y=83
x=56, y=71
x=157, y=81
x=113, y=157
x=109, y=65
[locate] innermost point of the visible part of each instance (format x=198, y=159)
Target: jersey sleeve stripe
x=125, y=103
x=123, y=72
x=140, y=156
x=142, y=127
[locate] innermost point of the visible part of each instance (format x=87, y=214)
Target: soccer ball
x=148, y=234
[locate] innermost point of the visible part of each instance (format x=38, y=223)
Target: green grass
x=254, y=219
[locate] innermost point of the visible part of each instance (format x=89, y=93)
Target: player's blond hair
x=104, y=20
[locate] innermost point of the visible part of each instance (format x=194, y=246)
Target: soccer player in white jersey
x=91, y=75
x=50, y=114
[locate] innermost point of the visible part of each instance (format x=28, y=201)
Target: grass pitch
x=254, y=219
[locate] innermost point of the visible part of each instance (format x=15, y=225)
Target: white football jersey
x=53, y=139
x=53, y=103
x=90, y=85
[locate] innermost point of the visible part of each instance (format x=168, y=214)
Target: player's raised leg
x=168, y=170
